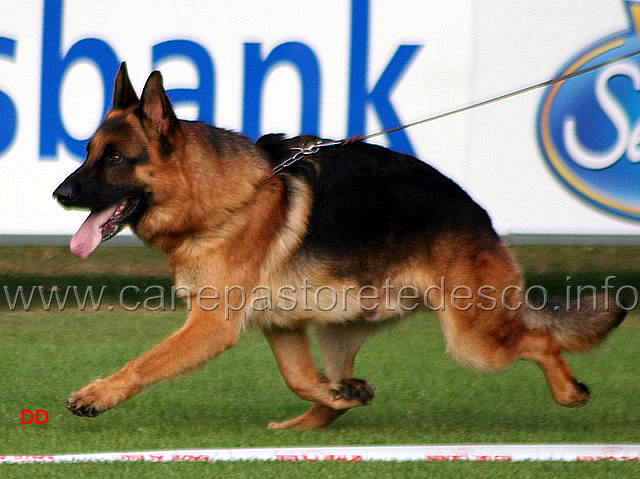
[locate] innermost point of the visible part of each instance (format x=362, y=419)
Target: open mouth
x=102, y=225
x=122, y=213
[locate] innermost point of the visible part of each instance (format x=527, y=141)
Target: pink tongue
x=89, y=236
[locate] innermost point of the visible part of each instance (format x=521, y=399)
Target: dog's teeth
x=121, y=208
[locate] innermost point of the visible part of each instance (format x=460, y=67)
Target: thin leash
x=304, y=151
x=312, y=149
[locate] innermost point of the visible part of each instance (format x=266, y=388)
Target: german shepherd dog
x=351, y=238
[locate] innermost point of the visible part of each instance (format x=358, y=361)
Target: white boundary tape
x=480, y=452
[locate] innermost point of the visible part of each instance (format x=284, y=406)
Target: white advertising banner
x=556, y=160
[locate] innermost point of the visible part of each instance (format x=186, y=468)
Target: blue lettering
x=256, y=69
x=54, y=66
x=203, y=96
x=8, y=113
x=379, y=96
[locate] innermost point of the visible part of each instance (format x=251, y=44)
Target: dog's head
x=130, y=149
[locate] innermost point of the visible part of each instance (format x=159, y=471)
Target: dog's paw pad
x=354, y=389
x=79, y=408
x=583, y=388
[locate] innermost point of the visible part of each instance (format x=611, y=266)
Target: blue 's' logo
x=589, y=126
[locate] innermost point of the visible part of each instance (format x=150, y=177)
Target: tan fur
x=222, y=221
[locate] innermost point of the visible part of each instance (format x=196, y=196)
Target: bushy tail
x=581, y=326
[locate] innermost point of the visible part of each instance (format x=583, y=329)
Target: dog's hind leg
x=318, y=416
x=541, y=348
x=335, y=391
x=551, y=331
x=339, y=344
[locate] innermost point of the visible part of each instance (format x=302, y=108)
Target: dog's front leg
x=293, y=352
x=204, y=335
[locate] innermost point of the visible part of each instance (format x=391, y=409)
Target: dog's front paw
x=91, y=400
x=357, y=390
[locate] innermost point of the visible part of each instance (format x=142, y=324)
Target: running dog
x=347, y=239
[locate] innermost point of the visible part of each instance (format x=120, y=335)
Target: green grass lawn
x=423, y=396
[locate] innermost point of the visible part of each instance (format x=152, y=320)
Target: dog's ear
x=155, y=110
x=124, y=96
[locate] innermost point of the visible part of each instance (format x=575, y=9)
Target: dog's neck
x=240, y=242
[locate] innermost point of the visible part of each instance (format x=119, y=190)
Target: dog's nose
x=64, y=193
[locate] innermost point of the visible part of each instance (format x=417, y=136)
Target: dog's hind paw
x=354, y=389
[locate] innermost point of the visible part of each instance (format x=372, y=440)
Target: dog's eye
x=116, y=159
